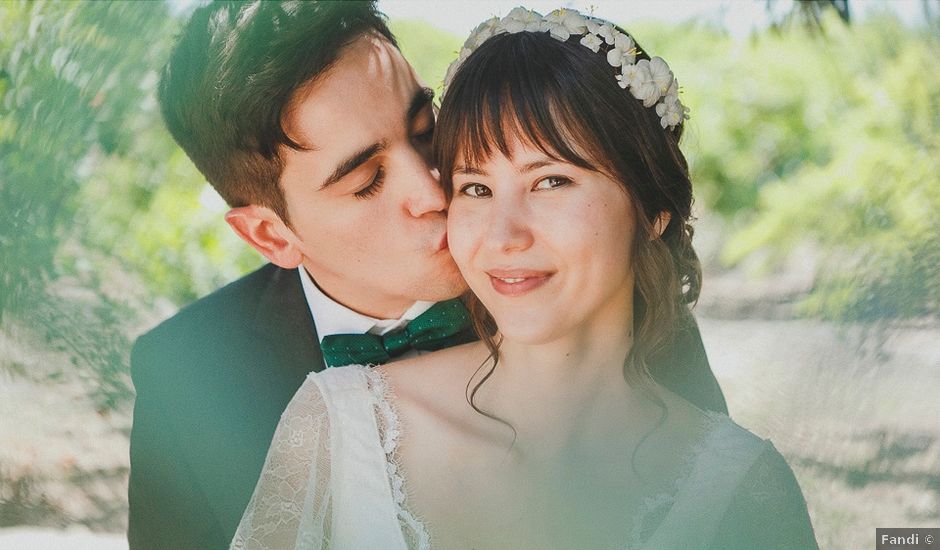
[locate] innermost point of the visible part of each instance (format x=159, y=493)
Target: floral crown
x=651, y=81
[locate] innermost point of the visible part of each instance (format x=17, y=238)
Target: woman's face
x=544, y=244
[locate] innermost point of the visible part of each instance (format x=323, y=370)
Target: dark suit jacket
x=211, y=384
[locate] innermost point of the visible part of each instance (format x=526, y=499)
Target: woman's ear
x=261, y=228
x=660, y=224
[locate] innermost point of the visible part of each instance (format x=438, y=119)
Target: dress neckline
x=389, y=437
x=652, y=513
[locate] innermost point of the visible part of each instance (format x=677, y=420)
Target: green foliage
x=86, y=160
x=795, y=137
x=868, y=191
x=65, y=70
x=828, y=137
x=429, y=50
x=70, y=73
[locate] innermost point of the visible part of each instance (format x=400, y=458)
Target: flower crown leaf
x=648, y=80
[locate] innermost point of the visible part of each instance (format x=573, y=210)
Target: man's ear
x=260, y=227
x=660, y=224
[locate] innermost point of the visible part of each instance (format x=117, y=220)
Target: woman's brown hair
x=563, y=99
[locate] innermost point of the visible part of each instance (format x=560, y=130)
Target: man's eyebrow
x=352, y=162
x=421, y=99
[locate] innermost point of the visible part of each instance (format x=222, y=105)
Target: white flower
x=592, y=42
x=521, y=19
x=623, y=52
x=671, y=110
x=558, y=31
x=575, y=23
x=641, y=82
x=649, y=80
x=661, y=74
x=532, y=20
x=671, y=113
x=625, y=42
x=672, y=94
x=512, y=26
x=572, y=21
x=633, y=74
x=452, y=70
x=646, y=92
x=606, y=31
x=520, y=13
x=482, y=33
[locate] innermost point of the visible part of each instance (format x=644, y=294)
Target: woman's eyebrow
x=536, y=165
x=469, y=171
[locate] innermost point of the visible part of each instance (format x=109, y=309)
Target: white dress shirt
x=331, y=317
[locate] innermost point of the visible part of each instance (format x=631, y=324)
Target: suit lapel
x=285, y=334
x=283, y=317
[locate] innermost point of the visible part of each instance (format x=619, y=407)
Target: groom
x=310, y=124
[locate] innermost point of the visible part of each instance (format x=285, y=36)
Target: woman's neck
x=557, y=392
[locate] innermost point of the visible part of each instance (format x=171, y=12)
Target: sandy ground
x=37, y=538
x=855, y=412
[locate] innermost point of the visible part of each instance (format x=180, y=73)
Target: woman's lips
x=516, y=282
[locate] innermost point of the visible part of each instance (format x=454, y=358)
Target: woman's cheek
x=463, y=230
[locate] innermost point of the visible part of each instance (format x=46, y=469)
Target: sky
x=739, y=17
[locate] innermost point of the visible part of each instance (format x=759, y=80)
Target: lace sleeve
x=290, y=508
x=767, y=511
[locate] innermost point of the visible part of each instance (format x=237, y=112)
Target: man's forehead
x=370, y=87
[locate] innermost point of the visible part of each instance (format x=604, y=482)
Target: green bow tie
x=445, y=324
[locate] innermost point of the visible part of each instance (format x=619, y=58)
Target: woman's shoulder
x=767, y=508
x=332, y=390
x=713, y=431
x=442, y=362
x=438, y=376
x=740, y=488
x=345, y=380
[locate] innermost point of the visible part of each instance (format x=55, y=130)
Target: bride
x=557, y=141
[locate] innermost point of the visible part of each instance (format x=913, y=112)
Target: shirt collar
x=331, y=317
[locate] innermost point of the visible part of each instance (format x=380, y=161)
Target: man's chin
x=442, y=287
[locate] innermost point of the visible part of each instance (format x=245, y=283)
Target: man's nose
x=425, y=195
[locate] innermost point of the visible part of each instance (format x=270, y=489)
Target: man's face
x=368, y=214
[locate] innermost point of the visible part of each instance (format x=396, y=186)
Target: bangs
x=507, y=94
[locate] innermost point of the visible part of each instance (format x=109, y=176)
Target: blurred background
x=814, y=145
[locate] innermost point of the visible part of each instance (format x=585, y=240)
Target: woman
x=570, y=199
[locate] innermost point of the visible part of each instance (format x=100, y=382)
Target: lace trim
x=650, y=514
x=655, y=507
x=390, y=434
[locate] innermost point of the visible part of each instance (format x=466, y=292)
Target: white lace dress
x=331, y=480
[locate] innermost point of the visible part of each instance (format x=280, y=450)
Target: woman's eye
x=475, y=190
x=551, y=182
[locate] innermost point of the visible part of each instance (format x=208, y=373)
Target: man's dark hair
x=231, y=77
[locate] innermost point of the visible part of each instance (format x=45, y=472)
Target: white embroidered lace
x=290, y=507
x=332, y=478
x=416, y=534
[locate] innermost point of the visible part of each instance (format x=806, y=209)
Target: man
x=307, y=120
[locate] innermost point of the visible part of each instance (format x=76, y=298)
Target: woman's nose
x=509, y=226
